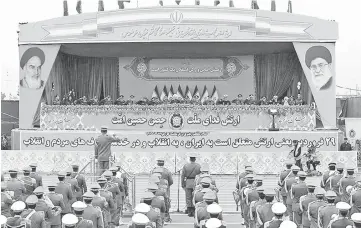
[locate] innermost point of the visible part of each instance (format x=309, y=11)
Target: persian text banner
x=175, y=117
x=195, y=141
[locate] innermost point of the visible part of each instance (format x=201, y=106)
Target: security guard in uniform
x=81, y=181
x=36, y=176
x=109, y=199
x=37, y=218
x=348, y=180
x=314, y=206
x=99, y=201
x=64, y=189
x=201, y=208
x=58, y=201
x=158, y=200
x=6, y=201
x=15, y=221
x=288, y=184
x=78, y=208
x=264, y=212
x=335, y=181
x=92, y=213
x=285, y=174
x=325, y=212
x=16, y=185
x=298, y=190
x=304, y=203
x=356, y=218
x=153, y=213
x=278, y=210
x=29, y=182
x=189, y=172
x=341, y=220
x=325, y=182
x=356, y=198
x=251, y=194
x=254, y=205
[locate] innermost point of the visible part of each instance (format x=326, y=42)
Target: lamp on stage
x=273, y=112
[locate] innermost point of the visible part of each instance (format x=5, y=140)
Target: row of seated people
x=176, y=99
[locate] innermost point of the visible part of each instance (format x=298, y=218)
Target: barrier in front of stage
x=142, y=162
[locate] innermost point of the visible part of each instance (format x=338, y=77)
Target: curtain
x=85, y=75
x=276, y=74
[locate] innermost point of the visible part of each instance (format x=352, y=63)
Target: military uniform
x=344, y=182
x=114, y=189
x=16, y=186
x=201, y=208
x=297, y=191
x=325, y=181
x=37, y=218
x=140, y=221
x=251, y=195
x=335, y=184
x=215, y=212
x=6, y=201
x=36, y=176
x=304, y=203
x=17, y=207
x=278, y=210
x=43, y=206
x=288, y=184
x=264, y=212
x=340, y=221
x=100, y=202
x=356, y=218
x=70, y=220
x=189, y=172
x=325, y=212
x=93, y=213
x=152, y=213
x=73, y=185
x=64, y=189
x=58, y=201
x=81, y=182
x=253, y=207
x=285, y=174
x=314, y=206
x=356, y=200
x=120, y=196
x=109, y=199
x=29, y=183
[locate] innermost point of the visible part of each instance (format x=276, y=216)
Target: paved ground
x=225, y=183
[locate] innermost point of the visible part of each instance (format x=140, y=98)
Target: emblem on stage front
x=176, y=121
x=176, y=17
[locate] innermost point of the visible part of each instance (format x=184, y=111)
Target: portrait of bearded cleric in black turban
x=319, y=60
x=31, y=62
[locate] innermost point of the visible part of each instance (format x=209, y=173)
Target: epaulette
x=98, y=208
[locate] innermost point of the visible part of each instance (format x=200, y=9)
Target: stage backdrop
x=318, y=63
x=226, y=75
x=36, y=62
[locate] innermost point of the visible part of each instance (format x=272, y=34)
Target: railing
x=131, y=179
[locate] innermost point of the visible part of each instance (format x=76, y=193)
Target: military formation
x=336, y=203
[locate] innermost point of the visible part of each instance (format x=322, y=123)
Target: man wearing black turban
x=31, y=62
x=319, y=61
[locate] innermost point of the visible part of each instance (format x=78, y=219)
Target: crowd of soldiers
x=71, y=203
x=336, y=203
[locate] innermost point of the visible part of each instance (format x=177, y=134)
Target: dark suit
x=65, y=189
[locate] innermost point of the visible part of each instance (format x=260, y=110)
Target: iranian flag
x=180, y=92
x=188, y=93
x=215, y=94
x=78, y=7
x=204, y=94
x=171, y=92
x=155, y=92
x=164, y=93
x=196, y=93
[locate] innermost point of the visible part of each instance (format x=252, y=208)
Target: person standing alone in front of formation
x=189, y=172
x=297, y=153
x=102, y=149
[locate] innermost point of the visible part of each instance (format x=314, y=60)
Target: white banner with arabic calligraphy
x=162, y=141
x=175, y=117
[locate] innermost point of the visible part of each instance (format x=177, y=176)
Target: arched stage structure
x=189, y=51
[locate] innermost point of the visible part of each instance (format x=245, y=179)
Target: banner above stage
x=163, y=141
x=179, y=24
